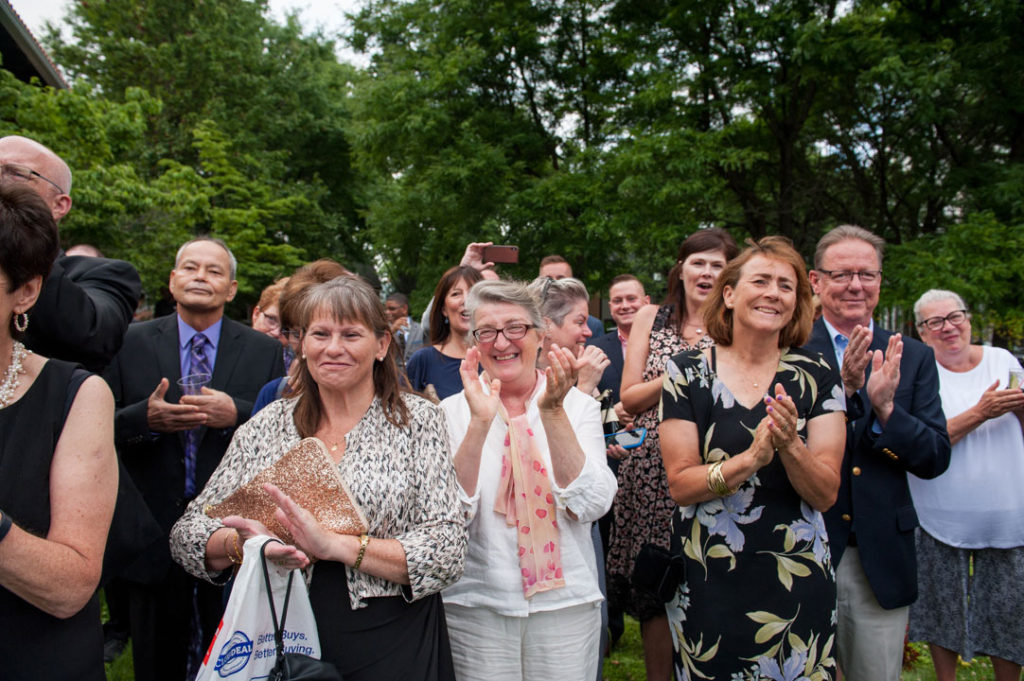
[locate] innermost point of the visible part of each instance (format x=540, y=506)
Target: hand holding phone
x=627, y=439
x=501, y=254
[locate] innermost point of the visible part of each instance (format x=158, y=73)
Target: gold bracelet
x=364, y=539
x=716, y=481
x=238, y=552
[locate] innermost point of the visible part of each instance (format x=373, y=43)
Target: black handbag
x=292, y=666
x=658, y=572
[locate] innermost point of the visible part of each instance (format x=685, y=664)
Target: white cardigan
x=492, y=578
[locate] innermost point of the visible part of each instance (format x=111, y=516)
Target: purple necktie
x=199, y=363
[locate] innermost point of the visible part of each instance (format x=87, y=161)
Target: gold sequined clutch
x=307, y=474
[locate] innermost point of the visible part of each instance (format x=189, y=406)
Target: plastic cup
x=1016, y=378
x=193, y=383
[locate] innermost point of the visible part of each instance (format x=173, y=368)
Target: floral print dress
x=643, y=508
x=759, y=597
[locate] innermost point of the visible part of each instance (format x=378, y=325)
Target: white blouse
x=977, y=502
x=492, y=577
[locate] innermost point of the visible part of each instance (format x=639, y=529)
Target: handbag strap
x=278, y=628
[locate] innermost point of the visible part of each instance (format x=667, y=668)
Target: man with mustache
x=170, y=443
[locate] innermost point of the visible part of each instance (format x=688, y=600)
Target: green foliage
x=605, y=131
x=246, y=138
x=978, y=258
x=608, y=131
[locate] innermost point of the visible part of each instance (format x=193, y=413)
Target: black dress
x=759, y=597
x=387, y=639
x=35, y=646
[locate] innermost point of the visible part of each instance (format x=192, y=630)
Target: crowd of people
x=803, y=485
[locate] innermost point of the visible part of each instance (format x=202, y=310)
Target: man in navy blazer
x=151, y=422
x=895, y=426
x=625, y=298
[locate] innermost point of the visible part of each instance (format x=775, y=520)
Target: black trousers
x=160, y=617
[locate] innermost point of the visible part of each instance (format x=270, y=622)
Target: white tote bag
x=243, y=648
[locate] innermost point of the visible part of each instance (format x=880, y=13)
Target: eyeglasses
x=866, y=277
x=956, y=318
x=272, y=321
x=20, y=173
x=511, y=332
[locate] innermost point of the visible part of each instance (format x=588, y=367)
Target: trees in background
x=603, y=130
x=608, y=131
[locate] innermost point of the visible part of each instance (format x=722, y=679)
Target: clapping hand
x=885, y=377
x=590, y=366
x=483, y=405
x=856, y=359
x=994, y=402
x=762, y=449
x=782, y=418
x=561, y=377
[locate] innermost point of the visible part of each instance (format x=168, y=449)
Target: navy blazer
x=611, y=379
x=874, y=498
x=246, y=361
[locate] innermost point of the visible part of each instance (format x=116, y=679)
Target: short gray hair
x=491, y=292
x=219, y=242
x=933, y=296
x=558, y=296
x=846, y=233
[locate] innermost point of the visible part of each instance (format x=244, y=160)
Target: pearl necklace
x=13, y=376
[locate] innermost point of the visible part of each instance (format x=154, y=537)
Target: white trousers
x=561, y=644
x=869, y=637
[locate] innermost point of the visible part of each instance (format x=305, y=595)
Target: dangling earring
x=21, y=322
x=446, y=321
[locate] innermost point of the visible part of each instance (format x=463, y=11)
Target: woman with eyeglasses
x=971, y=514
x=530, y=460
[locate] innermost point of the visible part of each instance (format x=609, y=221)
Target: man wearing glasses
x=895, y=426
x=86, y=303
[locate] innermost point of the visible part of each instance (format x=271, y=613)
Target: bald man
x=86, y=303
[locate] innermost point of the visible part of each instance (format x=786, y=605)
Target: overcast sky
x=326, y=14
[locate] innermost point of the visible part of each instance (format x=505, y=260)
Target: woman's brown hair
x=439, y=327
x=348, y=298
x=718, y=317
x=701, y=241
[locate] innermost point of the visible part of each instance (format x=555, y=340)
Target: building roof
x=22, y=54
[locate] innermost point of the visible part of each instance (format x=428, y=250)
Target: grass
x=627, y=662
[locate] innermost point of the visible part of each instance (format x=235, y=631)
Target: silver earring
x=21, y=322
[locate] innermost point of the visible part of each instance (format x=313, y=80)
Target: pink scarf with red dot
x=525, y=499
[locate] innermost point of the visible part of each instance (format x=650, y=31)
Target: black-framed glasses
x=867, y=277
x=20, y=173
x=511, y=332
x=956, y=318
